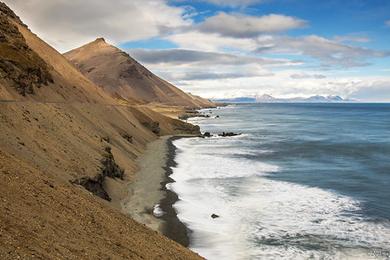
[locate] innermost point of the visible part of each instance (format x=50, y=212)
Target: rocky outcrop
x=152, y=126
x=185, y=128
x=19, y=65
x=191, y=114
x=127, y=137
x=6, y=11
x=228, y=134
x=207, y=134
x=110, y=168
x=95, y=184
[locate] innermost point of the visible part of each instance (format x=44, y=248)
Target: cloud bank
x=244, y=26
x=69, y=24
x=232, y=49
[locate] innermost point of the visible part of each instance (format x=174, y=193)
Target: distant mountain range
x=270, y=99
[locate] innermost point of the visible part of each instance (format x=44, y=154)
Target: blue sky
x=231, y=48
x=330, y=19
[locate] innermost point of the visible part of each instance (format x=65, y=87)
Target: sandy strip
x=148, y=190
x=145, y=192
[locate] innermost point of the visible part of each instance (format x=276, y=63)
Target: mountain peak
x=100, y=39
x=98, y=42
x=265, y=97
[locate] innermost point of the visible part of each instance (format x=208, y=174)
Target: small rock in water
x=214, y=216
x=207, y=134
x=228, y=134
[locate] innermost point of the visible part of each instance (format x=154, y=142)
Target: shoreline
x=172, y=227
x=149, y=189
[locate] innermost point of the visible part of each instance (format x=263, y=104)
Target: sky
x=229, y=48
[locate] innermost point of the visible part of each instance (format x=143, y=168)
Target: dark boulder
x=214, y=216
x=94, y=185
x=191, y=115
x=152, y=126
x=228, y=134
x=105, y=139
x=207, y=134
x=127, y=137
x=109, y=166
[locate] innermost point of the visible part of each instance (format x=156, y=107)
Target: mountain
x=270, y=99
x=312, y=99
x=68, y=151
x=124, y=78
x=265, y=98
x=319, y=99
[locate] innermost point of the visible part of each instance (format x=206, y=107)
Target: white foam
x=262, y=218
x=210, y=163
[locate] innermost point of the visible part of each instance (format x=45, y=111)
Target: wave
x=264, y=218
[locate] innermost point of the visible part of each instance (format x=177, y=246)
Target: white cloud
x=307, y=76
x=219, y=57
x=244, y=26
x=352, y=38
x=69, y=24
x=328, y=52
x=183, y=57
x=218, y=75
x=180, y=65
x=374, y=91
x=209, y=42
x=281, y=85
x=387, y=23
x=225, y=74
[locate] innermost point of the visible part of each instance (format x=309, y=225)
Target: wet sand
x=148, y=190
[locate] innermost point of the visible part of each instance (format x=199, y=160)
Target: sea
x=302, y=181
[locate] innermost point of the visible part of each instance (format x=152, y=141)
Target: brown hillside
x=67, y=154
x=122, y=76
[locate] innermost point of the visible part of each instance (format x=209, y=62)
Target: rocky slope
x=20, y=66
x=31, y=70
x=122, y=76
x=67, y=153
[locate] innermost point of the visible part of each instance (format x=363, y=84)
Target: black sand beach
x=172, y=226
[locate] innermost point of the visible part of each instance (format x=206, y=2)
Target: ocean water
x=303, y=181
